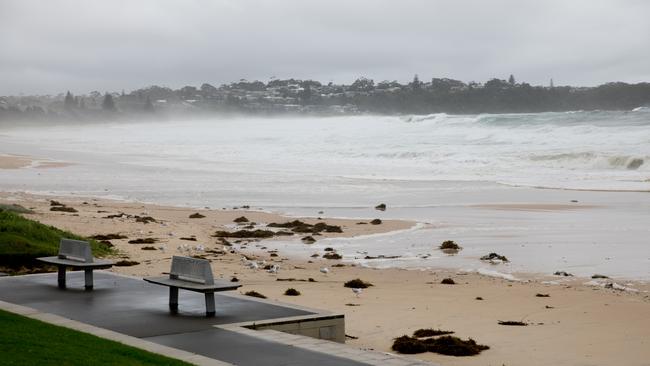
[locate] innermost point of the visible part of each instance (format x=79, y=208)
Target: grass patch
x=15, y=208
x=23, y=240
x=28, y=341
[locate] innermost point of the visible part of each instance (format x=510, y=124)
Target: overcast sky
x=53, y=46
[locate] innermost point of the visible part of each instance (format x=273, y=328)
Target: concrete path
x=138, y=310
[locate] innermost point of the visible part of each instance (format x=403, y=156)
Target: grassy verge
x=25, y=341
x=22, y=240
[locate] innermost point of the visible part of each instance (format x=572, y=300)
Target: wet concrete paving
x=134, y=307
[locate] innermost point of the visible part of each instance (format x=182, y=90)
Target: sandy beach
x=19, y=161
x=578, y=323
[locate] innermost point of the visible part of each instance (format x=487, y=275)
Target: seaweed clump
x=255, y=294
x=430, y=332
x=445, y=345
x=449, y=245
x=357, y=283
x=292, y=292
x=408, y=345
x=332, y=255
x=448, y=281
x=494, y=256
x=196, y=216
x=241, y=219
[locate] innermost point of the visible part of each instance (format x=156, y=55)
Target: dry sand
x=575, y=325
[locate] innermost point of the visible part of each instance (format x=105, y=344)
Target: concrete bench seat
x=77, y=255
x=192, y=274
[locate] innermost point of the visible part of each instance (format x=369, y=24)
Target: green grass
x=22, y=240
x=25, y=341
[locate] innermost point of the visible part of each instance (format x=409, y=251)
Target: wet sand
x=576, y=324
x=19, y=162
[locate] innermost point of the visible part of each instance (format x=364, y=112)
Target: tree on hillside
x=148, y=106
x=69, y=102
x=511, y=79
x=108, y=104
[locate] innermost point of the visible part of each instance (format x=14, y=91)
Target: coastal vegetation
x=23, y=240
x=294, y=96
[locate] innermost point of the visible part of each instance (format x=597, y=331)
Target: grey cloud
x=52, y=46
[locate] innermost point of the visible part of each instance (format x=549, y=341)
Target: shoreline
x=574, y=324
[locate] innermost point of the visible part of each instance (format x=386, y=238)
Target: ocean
x=439, y=170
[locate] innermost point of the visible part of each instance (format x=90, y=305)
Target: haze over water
x=432, y=169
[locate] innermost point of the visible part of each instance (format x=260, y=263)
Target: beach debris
x=329, y=249
x=234, y=279
x=512, y=323
x=352, y=304
x=430, y=332
x=252, y=265
x=126, y=263
x=315, y=255
x=148, y=248
x=357, y=283
x=574, y=201
x=494, y=258
x=324, y=270
x=449, y=246
x=351, y=337
x=479, y=298
x=261, y=234
x=308, y=239
x=108, y=237
x=598, y=276
x=144, y=219
x=56, y=203
x=381, y=207
x=240, y=219
x=542, y=295
x=298, y=226
x=549, y=307
x=254, y=293
x=292, y=292
x=381, y=256
x=63, y=209
x=448, y=281
x=408, y=345
x=143, y=241
x=562, y=273
x=273, y=269
x=362, y=223
x=446, y=345
x=338, y=265
x=191, y=238
x=196, y=215
x=273, y=254
x=332, y=255
x=375, y=222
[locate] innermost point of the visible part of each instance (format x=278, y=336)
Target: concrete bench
x=78, y=255
x=192, y=274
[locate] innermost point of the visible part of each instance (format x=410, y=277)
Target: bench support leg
x=89, y=279
x=209, y=304
x=173, y=299
x=61, y=277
